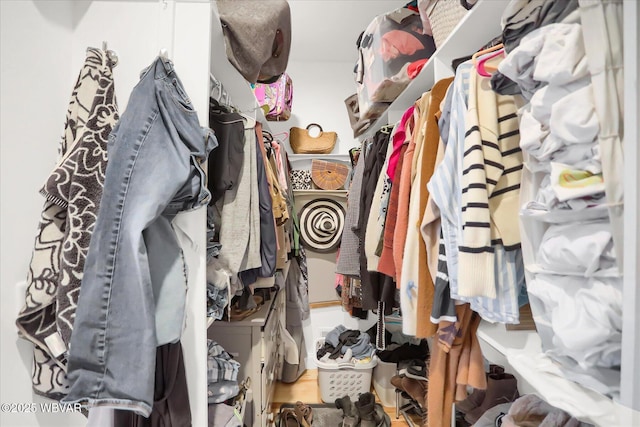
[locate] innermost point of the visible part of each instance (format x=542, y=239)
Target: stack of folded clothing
x=222, y=374
x=231, y=412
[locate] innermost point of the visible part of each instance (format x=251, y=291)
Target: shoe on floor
x=396, y=381
x=350, y=417
x=471, y=402
x=371, y=413
x=289, y=418
x=417, y=389
x=418, y=370
x=304, y=414
x=348, y=407
x=501, y=388
x=477, y=396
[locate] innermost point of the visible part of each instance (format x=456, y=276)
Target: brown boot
x=501, y=388
x=349, y=411
x=477, y=396
x=416, y=389
x=471, y=402
x=366, y=406
x=396, y=381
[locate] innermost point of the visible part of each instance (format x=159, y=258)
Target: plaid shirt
x=220, y=364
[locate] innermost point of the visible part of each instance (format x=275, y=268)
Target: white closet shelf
x=278, y=278
x=260, y=117
x=318, y=192
x=521, y=353
x=342, y=157
x=612, y=272
x=472, y=32
x=560, y=216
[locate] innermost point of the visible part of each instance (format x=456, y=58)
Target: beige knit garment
x=492, y=168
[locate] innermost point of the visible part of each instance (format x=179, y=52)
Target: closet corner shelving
x=520, y=353
x=303, y=161
x=339, y=157
x=316, y=192
x=518, y=350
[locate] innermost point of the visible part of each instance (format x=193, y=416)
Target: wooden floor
x=306, y=389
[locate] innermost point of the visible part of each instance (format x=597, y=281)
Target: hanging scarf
x=73, y=192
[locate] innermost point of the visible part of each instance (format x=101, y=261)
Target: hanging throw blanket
x=73, y=192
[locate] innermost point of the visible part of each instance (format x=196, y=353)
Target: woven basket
x=443, y=16
x=303, y=143
x=328, y=175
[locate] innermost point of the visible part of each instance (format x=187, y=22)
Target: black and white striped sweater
x=492, y=167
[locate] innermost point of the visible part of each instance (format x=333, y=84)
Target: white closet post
x=630, y=371
x=184, y=32
x=166, y=26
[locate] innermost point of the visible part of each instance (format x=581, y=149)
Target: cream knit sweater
x=492, y=167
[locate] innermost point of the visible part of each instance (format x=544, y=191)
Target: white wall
x=323, y=55
x=37, y=79
x=319, y=91
x=113, y=21
x=43, y=49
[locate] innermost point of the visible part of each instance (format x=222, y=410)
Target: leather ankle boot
x=416, y=389
x=501, y=388
x=381, y=417
x=349, y=411
x=366, y=410
x=396, y=381
x=471, y=402
x=477, y=396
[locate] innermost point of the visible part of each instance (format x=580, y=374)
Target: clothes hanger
x=386, y=129
x=487, y=50
x=218, y=93
x=281, y=137
x=221, y=96
x=112, y=56
x=480, y=58
x=486, y=70
x=267, y=136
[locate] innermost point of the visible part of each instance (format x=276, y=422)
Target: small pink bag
x=278, y=97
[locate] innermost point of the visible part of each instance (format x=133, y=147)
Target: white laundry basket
x=339, y=380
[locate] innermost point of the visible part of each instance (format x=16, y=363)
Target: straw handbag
x=328, y=175
x=303, y=143
x=443, y=16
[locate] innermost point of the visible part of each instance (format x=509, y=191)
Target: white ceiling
x=327, y=30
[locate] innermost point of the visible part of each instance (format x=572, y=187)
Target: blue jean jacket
x=135, y=271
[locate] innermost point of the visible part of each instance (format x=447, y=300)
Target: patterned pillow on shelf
x=301, y=179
